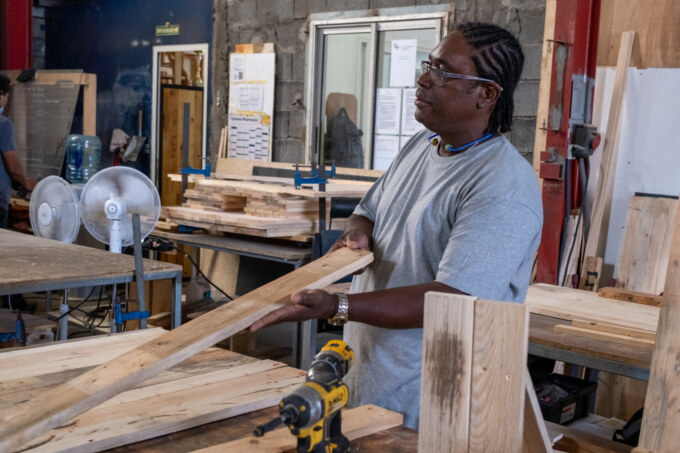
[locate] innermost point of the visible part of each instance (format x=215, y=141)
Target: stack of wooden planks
x=213, y=385
x=258, y=209
x=596, y=317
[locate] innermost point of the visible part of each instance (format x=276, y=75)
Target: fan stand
x=142, y=314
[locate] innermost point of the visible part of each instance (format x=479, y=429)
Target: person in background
x=11, y=169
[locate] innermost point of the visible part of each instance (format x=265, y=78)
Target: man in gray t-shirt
x=459, y=210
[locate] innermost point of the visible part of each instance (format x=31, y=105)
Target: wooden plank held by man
x=38, y=415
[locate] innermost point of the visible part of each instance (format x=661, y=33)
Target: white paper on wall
x=403, y=62
x=388, y=111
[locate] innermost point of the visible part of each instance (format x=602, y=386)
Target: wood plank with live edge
x=35, y=417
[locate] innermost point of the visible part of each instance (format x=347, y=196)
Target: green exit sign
x=167, y=30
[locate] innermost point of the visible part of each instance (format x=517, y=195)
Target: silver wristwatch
x=341, y=317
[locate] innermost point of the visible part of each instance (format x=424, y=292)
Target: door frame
x=155, y=99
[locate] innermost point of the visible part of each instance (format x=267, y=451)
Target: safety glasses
x=439, y=77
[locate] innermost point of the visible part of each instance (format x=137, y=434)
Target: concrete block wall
x=286, y=23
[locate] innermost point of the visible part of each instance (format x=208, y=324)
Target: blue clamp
x=122, y=317
x=197, y=171
x=19, y=334
x=315, y=175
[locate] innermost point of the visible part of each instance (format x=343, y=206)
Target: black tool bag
x=343, y=141
x=630, y=433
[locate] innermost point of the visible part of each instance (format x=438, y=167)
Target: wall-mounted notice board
x=252, y=70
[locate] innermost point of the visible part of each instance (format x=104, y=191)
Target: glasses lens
x=435, y=74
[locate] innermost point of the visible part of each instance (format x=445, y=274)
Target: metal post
x=113, y=328
x=185, y=146
x=63, y=321
x=139, y=267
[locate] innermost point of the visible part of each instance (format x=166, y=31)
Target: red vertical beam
x=16, y=34
x=574, y=54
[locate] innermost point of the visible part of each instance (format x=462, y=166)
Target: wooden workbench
x=602, y=355
x=190, y=406
x=393, y=440
x=34, y=264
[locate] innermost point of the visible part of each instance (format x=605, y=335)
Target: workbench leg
x=176, y=318
x=48, y=301
x=193, y=252
x=305, y=343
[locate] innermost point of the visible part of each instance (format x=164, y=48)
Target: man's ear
x=489, y=94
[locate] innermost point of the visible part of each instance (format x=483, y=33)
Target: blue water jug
x=83, y=153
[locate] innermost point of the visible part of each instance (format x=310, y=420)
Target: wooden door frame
x=155, y=100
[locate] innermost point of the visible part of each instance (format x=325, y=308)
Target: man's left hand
x=304, y=305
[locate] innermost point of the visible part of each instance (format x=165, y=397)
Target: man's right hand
x=354, y=239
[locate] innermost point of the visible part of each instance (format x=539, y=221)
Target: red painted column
x=16, y=34
x=574, y=56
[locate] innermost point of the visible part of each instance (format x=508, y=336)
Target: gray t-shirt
x=6, y=144
x=472, y=221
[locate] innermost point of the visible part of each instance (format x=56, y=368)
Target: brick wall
x=285, y=22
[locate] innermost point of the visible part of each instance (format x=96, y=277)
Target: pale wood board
x=446, y=372
x=606, y=336
x=543, y=109
x=535, y=437
x=656, y=23
x=208, y=362
x=346, y=188
x=356, y=423
x=568, y=269
x=245, y=167
x=36, y=417
x=570, y=304
x=605, y=183
x=603, y=327
x=641, y=266
x=497, y=390
x=590, y=273
x=573, y=440
x=662, y=406
x=62, y=356
x=646, y=246
x=212, y=385
x=630, y=296
x=158, y=414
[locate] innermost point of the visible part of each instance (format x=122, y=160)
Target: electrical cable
x=198, y=269
x=77, y=306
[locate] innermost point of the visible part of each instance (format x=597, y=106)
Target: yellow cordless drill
x=312, y=411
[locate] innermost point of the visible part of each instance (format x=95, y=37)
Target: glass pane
x=399, y=56
x=343, y=110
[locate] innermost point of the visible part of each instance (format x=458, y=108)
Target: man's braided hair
x=497, y=56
